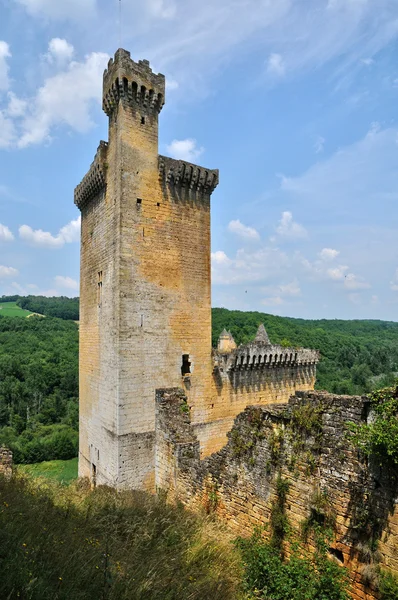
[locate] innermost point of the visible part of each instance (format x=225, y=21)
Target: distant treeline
x=356, y=356
x=61, y=307
x=39, y=388
x=39, y=367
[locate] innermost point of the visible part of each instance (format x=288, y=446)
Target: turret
x=226, y=342
x=135, y=83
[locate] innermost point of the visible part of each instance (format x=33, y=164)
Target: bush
x=268, y=576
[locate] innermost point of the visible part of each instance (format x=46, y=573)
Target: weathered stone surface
x=307, y=443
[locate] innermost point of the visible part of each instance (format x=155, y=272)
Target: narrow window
x=158, y=204
x=99, y=289
x=186, y=365
x=142, y=320
x=142, y=120
x=139, y=201
x=94, y=474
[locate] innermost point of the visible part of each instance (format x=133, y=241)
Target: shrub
x=268, y=576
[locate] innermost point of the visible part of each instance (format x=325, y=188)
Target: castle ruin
x=145, y=299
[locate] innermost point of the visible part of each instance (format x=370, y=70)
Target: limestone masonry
x=145, y=305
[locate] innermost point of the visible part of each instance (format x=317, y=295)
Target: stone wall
x=6, y=462
x=306, y=443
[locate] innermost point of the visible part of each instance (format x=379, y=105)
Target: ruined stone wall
x=307, y=444
x=6, y=462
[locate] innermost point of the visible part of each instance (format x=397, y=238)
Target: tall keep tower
x=145, y=310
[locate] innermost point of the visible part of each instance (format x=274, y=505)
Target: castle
x=145, y=299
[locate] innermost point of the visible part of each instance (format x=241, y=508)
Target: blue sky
x=294, y=101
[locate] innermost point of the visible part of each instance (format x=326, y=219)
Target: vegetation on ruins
x=379, y=436
x=106, y=545
x=300, y=577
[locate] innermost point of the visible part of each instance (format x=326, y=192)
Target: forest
x=39, y=388
x=39, y=367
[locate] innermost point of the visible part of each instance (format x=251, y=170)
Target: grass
x=11, y=309
x=63, y=471
x=70, y=542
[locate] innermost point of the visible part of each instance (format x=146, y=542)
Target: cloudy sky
x=295, y=101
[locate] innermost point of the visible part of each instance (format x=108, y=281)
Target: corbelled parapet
x=261, y=354
x=135, y=83
x=185, y=175
x=94, y=182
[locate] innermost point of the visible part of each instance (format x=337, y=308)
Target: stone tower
x=145, y=310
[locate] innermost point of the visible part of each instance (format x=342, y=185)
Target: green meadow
x=11, y=309
x=63, y=471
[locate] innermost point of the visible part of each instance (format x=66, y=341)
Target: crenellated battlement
x=182, y=174
x=135, y=83
x=262, y=355
x=94, y=181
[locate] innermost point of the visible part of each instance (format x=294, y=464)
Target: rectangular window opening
x=94, y=474
x=186, y=365
x=142, y=120
x=158, y=204
x=99, y=289
x=139, y=201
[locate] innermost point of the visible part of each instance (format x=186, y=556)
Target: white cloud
x=66, y=282
x=185, y=150
x=368, y=62
x=162, y=9
x=353, y=282
x=4, y=55
x=5, y=234
x=243, y=231
x=283, y=290
x=59, y=51
x=44, y=239
x=394, y=282
x=355, y=298
x=328, y=254
x=71, y=232
x=7, y=272
x=272, y=301
x=290, y=289
x=60, y=9
x=337, y=273
x=319, y=144
x=7, y=131
x=65, y=98
x=276, y=65
x=171, y=84
x=246, y=266
x=16, y=107
x=288, y=228
x=365, y=169
x=220, y=258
